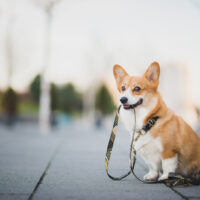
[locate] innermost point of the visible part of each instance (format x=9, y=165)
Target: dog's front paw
x=151, y=176
x=163, y=177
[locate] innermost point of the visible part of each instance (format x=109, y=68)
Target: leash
x=110, y=146
x=174, y=178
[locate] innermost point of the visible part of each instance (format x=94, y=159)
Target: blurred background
x=56, y=58
x=58, y=94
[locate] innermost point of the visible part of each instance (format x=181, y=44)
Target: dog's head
x=137, y=91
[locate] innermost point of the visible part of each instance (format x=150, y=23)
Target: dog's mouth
x=126, y=106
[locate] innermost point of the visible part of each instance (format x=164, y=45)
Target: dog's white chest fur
x=128, y=119
x=148, y=147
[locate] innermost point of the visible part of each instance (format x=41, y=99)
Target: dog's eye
x=136, y=89
x=123, y=88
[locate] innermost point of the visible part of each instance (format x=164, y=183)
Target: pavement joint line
x=44, y=172
x=178, y=193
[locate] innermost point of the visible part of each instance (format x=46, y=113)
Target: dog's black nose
x=124, y=100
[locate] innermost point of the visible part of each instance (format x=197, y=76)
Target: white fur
x=168, y=165
x=148, y=147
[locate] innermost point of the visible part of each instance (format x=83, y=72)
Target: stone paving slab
x=13, y=196
x=76, y=171
x=24, y=154
x=192, y=192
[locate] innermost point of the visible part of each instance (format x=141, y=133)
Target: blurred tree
x=103, y=101
x=9, y=105
x=70, y=100
x=35, y=92
x=54, y=96
x=9, y=101
x=35, y=88
x=65, y=98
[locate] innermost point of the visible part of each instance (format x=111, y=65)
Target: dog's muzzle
x=126, y=106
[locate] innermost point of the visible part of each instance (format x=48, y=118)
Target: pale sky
x=88, y=37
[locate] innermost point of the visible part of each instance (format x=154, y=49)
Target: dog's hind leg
x=152, y=158
x=169, y=165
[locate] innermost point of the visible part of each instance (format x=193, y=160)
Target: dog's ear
x=152, y=73
x=119, y=73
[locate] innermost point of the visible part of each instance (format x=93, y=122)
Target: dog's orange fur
x=177, y=137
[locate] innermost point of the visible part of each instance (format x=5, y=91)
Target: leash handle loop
x=110, y=146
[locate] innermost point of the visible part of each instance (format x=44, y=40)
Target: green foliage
x=35, y=88
x=27, y=106
x=70, y=100
x=64, y=98
x=10, y=102
x=103, y=101
x=54, y=97
x=35, y=92
x=1, y=97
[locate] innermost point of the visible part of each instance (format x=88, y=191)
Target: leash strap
x=174, y=179
x=110, y=146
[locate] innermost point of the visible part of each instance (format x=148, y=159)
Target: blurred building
x=175, y=90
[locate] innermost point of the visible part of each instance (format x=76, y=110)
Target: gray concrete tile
x=190, y=191
x=23, y=157
x=14, y=196
x=78, y=173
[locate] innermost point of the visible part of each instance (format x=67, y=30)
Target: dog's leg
x=152, y=158
x=168, y=165
x=153, y=163
x=152, y=174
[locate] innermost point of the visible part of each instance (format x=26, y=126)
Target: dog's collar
x=150, y=123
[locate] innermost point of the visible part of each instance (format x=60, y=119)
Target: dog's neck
x=159, y=109
x=156, y=107
x=142, y=113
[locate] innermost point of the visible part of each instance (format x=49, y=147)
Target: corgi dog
x=170, y=145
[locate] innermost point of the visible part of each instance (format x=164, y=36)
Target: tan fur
x=177, y=137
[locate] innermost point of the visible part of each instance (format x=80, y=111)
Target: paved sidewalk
x=69, y=164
